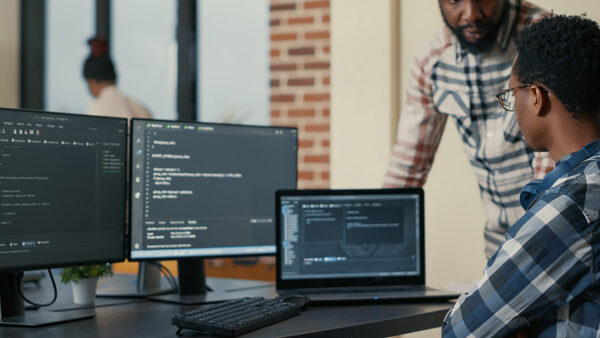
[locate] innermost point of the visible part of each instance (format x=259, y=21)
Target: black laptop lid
x=334, y=238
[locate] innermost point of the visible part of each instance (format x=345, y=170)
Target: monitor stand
x=13, y=307
x=147, y=283
x=193, y=288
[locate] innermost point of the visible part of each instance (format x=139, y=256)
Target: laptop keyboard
x=365, y=289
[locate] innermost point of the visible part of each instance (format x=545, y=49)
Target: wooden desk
x=153, y=319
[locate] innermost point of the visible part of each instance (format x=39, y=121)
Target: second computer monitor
x=207, y=190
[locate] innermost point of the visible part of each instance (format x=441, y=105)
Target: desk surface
x=153, y=319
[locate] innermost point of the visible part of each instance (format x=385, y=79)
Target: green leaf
x=77, y=273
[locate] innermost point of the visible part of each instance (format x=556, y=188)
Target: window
x=144, y=50
x=233, y=61
x=69, y=24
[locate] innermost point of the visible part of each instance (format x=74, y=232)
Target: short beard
x=485, y=44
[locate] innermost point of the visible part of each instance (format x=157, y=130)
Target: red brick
x=282, y=98
x=283, y=66
x=306, y=143
x=283, y=7
x=300, y=21
x=317, y=35
x=316, y=97
x=283, y=36
x=316, y=65
x=274, y=83
x=301, y=82
x=317, y=127
x=306, y=175
x=300, y=56
x=301, y=113
x=303, y=184
x=316, y=159
x=283, y=123
x=316, y=4
x=302, y=51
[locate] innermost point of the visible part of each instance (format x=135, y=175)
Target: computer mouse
x=301, y=300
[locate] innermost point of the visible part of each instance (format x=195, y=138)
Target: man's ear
x=539, y=100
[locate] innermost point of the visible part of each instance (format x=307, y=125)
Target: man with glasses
x=544, y=280
x=458, y=76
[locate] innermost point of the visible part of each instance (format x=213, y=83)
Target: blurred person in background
x=99, y=72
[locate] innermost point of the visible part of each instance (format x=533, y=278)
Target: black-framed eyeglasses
x=506, y=97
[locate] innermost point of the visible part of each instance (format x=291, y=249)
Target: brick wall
x=300, y=68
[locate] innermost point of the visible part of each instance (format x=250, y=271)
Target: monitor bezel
x=341, y=282
x=77, y=262
x=130, y=211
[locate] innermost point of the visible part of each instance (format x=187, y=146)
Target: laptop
x=352, y=245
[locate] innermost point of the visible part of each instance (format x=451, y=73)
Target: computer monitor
x=63, y=188
x=205, y=190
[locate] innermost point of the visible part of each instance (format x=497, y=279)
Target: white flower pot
x=84, y=291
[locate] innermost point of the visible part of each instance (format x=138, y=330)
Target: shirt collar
x=568, y=156
x=563, y=159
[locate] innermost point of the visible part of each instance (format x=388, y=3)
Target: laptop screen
x=329, y=234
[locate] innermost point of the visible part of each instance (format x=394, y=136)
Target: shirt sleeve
x=419, y=132
x=543, y=264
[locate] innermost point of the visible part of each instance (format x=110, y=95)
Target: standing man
x=457, y=76
x=544, y=281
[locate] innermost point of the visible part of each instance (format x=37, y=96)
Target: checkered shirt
x=546, y=275
x=447, y=81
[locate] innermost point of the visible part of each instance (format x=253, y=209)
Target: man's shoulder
x=582, y=185
x=585, y=174
x=528, y=14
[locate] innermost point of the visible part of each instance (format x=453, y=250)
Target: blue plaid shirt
x=546, y=276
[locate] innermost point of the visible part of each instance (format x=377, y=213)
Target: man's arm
x=419, y=132
x=544, y=263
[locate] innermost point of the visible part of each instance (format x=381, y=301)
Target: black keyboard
x=236, y=317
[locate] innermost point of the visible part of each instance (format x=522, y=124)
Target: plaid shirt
x=449, y=81
x=547, y=273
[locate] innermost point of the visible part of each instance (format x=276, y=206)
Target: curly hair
x=562, y=53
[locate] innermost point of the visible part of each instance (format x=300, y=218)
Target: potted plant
x=84, y=280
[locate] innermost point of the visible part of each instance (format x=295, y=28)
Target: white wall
x=362, y=78
x=9, y=53
x=362, y=74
